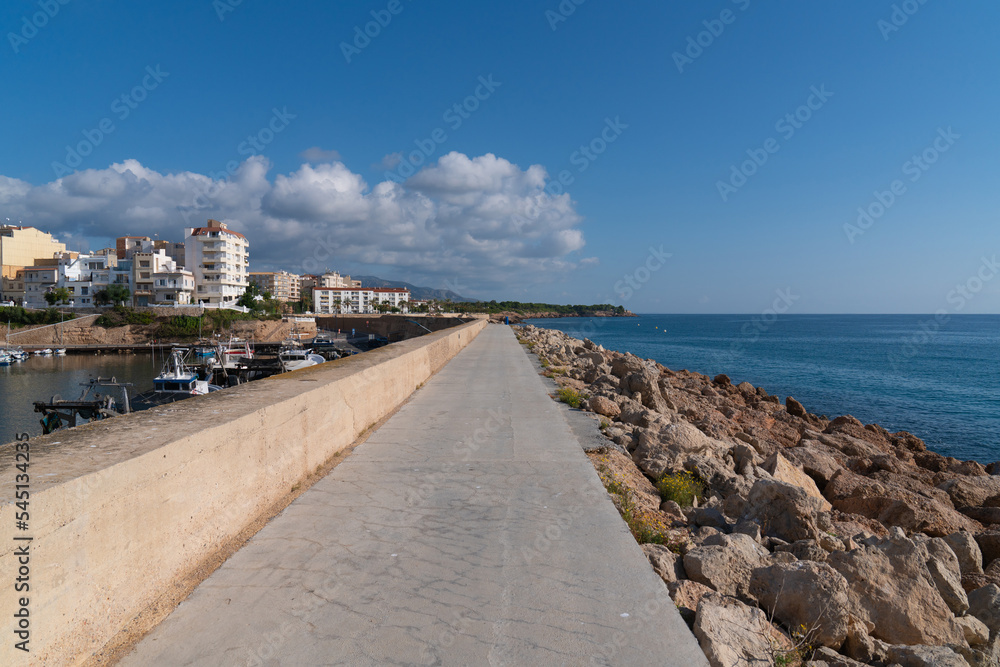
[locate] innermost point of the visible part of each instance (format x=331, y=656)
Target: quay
x=469, y=528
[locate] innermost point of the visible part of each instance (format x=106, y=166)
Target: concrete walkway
x=470, y=529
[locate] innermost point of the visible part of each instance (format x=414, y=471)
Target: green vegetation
x=116, y=294
x=570, y=397
x=681, y=487
x=179, y=327
x=18, y=316
x=120, y=316
x=58, y=295
x=645, y=528
x=521, y=308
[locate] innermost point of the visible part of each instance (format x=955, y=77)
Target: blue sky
x=484, y=212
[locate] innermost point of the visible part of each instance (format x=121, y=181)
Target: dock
x=469, y=529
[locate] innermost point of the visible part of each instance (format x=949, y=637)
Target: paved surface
x=470, y=529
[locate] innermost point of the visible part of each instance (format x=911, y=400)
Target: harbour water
x=938, y=380
x=39, y=378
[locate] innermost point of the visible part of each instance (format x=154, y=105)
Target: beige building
x=281, y=285
x=21, y=246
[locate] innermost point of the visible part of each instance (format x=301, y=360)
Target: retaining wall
x=121, y=509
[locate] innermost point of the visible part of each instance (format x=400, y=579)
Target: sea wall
x=119, y=510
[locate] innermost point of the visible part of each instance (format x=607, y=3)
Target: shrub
x=120, y=316
x=645, y=528
x=570, y=397
x=681, y=487
x=18, y=316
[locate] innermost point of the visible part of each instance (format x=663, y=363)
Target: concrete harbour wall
x=121, y=509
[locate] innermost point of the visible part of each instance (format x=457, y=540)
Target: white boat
x=292, y=359
x=5, y=358
x=19, y=354
x=175, y=382
x=43, y=353
x=61, y=352
x=231, y=353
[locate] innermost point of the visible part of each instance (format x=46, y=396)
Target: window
x=144, y=265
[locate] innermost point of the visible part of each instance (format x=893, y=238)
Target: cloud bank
x=481, y=223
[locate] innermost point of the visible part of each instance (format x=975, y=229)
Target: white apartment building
x=159, y=280
x=345, y=300
x=38, y=280
x=219, y=259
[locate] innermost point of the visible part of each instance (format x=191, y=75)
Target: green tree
x=118, y=294
x=101, y=297
x=58, y=295
x=249, y=297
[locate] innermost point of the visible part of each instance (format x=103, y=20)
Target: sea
x=41, y=378
x=936, y=377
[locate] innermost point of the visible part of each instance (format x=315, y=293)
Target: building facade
x=158, y=280
x=350, y=300
x=281, y=285
x=21, y=246
x=219, y=259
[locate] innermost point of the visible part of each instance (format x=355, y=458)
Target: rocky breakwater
x=797, y=539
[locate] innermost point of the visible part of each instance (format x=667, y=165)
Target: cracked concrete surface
x=470, y=529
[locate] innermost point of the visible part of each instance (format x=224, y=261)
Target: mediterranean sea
x=939, y=380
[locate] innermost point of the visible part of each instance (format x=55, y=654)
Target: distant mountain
x=418, y=293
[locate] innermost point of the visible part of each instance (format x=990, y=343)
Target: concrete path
x=470, y=529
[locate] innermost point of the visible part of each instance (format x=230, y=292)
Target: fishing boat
x=175, y=382
x=90, y=406
x=233, y=353
x=295, y=358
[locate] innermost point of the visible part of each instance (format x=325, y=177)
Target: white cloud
x=482, y=221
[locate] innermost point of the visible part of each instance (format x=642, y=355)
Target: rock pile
x=816, y=541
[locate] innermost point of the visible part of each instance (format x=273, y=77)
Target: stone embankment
x=805, y=540
x=84, y=333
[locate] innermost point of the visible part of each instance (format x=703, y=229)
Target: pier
x=468, y=528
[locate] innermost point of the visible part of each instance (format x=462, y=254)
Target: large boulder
x=805, y=594
x=815, y=460
x=646, y=384
x=783, y=510
x=976, y=632
x=970, y=556
x=925, y=656
x=946, y=574
x=665, y=446
x=686, y=595
x=973, y=491
x=665, y=562
x=894, y=505
x=724, y=563
x=604, y=406
x=989, y=544
x=732, y=633
x=782, y=470
x=984, y=604
x=889, y=586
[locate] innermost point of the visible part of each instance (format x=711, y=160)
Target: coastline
x=832, y=509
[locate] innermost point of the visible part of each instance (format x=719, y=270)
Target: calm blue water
x=940, y=381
